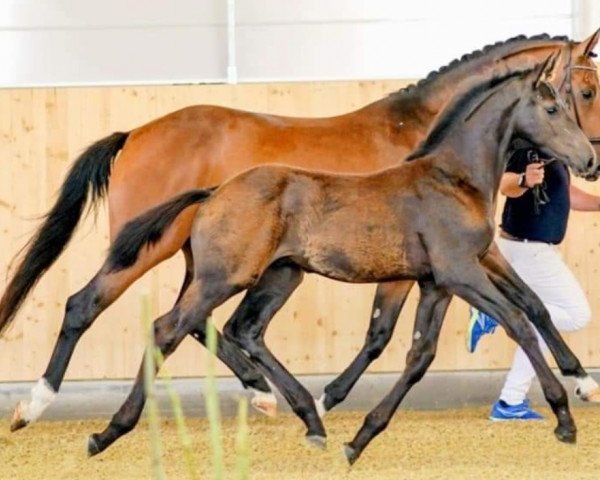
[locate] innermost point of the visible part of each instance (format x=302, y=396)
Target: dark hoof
x=351, y=454
x=18, y=421
x=565, y=436
x=18, y=424
x=317, y=441
x=93, y=446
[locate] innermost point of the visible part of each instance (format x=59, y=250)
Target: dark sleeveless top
x=544, y=222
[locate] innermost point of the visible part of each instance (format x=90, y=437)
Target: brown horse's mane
x=477, y=54
x=458, y=108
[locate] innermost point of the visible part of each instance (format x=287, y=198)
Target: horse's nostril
x=590, y=163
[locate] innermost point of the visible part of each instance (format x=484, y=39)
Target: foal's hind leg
x=430, y=315
x=248, y=374
x=194, y=308
x=508, y=282
x=247, y=328
x=389, y=299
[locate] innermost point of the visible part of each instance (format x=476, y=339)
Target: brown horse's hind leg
x=389, y=299
x=194, y=308
x=508, y=282
x=247, y=329
x=81, y=311
x=431, y=311
x=250, y=376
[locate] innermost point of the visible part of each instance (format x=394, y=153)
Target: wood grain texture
x=318, y=331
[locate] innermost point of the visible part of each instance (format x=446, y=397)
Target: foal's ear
x=545, y=70
x=586, y=47
x=546, y=90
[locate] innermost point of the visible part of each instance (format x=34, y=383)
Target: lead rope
x=540, y=196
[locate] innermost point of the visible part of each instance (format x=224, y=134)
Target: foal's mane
x=456, y=110
x=476, y=55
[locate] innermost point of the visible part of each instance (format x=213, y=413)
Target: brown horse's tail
x=89, y=175
x=148, y=228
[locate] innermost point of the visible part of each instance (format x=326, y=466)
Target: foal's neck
x=476, y=147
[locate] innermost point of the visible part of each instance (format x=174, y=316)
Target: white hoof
x=264, y=402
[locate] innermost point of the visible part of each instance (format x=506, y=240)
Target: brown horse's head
x=581, y=89
x=543, y=118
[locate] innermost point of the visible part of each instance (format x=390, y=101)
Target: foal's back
x=324, y=223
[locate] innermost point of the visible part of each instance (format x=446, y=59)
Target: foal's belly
x=355, y=259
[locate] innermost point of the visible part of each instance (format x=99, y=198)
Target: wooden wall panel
x=318, y=331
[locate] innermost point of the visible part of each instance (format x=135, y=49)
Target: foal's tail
x=88, y=176
x=148, y=228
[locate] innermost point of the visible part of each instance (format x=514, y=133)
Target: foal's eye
x=552, y=110
x=587, y=94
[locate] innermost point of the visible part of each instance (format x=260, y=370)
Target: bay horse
x=429, y=219
x=211, y=144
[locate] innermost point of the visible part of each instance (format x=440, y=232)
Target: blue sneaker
x=480, y=324
x=502, y=411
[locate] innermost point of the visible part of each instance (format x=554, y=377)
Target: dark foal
x=430, y=219
x=374, y=137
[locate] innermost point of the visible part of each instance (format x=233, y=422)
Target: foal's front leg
x=504, y=277
x=468, y=280
x=431, y=311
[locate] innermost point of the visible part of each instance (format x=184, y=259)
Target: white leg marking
x=264, y=402
x=320, y=406
x=417, y=335
x=42, y=395
x=376, y=313
x=586, y=387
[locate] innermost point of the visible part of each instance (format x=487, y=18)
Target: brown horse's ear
x=585, y=48
x=546, y=69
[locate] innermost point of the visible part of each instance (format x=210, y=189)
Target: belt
x=508, y=236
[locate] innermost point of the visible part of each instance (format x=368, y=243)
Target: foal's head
x=542, y=117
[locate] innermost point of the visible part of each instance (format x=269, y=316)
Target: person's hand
x=534, y=174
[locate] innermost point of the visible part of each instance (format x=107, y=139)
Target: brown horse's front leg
x=504, y=277
x=431, y=311
x=388, y=302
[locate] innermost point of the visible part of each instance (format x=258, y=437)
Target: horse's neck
x=418, y=107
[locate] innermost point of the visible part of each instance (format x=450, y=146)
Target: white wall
x=55, y=42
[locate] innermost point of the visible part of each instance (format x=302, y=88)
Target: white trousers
x=541, y=266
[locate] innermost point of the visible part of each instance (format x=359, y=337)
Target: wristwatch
x=521, y=182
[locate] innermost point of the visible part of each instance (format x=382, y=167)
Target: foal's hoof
x=350, y=453
x=265, y=403
x=565, y=436
x=93, y=447
x=18, y=421
x=591, y=396
x=317, y=441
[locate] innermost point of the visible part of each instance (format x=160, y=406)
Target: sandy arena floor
x=459, y=444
